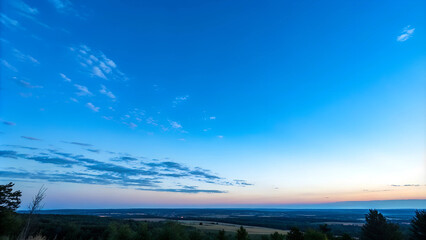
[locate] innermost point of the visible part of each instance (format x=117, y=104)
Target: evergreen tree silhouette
x=418, y=226
x=242, y=234
x=294, y=234
x=221, y=235
x=376, y=227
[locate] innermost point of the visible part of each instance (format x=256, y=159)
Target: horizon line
x=341, y=205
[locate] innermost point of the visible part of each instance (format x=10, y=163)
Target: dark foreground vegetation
x=52, y=227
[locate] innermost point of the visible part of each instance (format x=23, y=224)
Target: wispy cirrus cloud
x=53, y=160
x=377, y=190
x=106, y=92
x=24, y=83
x=8, y=123
x=151, y=121
x=61, y=5
x=92, y=107
x=24, y=57
x=64, y=77
x=242, y=182
x=27, y=84
x=31, y=138
x=83, y=90
x=93, y=150
x=107, y=118
x=407, y=185
x=98, y=72
x=168, y=165
x=185, y=189
x=131, y=124
x=7, y=65
x=175, y=124
x=9, y=22
x=24, y=7
x=97, y=63
x=179, y=100
x=65, y=7
x=125, y=159
x=24, y=10
x=79, y=144
x=20, y=146
x=407, y=32
x=203, y=173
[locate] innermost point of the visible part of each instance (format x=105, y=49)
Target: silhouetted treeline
x=56, y=227
x=83, y=227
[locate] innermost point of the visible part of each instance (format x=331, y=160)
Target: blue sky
x=213, y=103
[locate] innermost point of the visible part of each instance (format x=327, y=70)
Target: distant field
x=345, y=223
x=217, y=226
x=149, y=219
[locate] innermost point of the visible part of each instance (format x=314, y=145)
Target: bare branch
x=36, y=203
x=34, y=206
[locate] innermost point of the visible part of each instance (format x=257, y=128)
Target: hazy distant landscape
x=339, y=220
x=314, y=216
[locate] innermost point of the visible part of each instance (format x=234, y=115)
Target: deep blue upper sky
x=328, y=94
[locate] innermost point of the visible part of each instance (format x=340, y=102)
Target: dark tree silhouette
x=418, y=226
x=9, y=199
x=195, y=235
x=143, y=232
x=242, y=234
x=277, y=236
x=221, y=235
x=314, y=235
x=264, y=237
x=294, y=234
x=325, y=229
x=173, y=231
x=345, y=236
x=376, y=227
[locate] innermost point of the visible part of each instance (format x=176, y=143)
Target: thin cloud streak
x=25, y=84
x=24, y=57
x=106, y=92
x=9, y=22
x=83, y=90
x=31, y=138
x=180, y=99
x=92, y=107
x=8, y=123
x=80, y=144
x=63, y=76
x=406, y=34
x=8, y=65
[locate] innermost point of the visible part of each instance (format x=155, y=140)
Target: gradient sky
x=213, y=103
